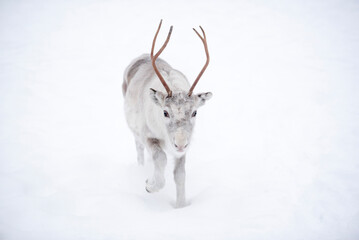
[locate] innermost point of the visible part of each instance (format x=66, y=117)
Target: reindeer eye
x=165, y=113
x=194, y=113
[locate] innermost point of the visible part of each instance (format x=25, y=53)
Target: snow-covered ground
x=275, y=154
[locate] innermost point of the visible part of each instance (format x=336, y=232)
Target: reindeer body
x=142, y=114
x=163, y=124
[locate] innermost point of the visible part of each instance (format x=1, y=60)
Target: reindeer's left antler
x=204, y=40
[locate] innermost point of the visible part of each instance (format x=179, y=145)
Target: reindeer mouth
x=180, y=148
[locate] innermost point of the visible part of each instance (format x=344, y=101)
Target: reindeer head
x=179, y=108
x=179, y=115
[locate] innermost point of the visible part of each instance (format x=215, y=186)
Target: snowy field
x=275, y=153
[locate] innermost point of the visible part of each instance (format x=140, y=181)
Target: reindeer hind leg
x=140, y=153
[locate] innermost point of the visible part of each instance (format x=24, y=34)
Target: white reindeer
x=162, y=123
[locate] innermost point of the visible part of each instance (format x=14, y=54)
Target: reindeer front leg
x=180, y=177
x=157, y=181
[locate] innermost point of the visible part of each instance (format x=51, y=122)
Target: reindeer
x=162, y=123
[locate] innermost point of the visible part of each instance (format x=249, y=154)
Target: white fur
x=145, y=117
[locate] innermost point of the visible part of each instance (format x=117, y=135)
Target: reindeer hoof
x=154, y=186
x=180, y=205
x=150, y=189
x=150, y=186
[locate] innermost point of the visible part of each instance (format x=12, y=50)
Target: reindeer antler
x=204, y=40
x=154, y=58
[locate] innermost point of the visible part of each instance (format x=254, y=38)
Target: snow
x=275, y=151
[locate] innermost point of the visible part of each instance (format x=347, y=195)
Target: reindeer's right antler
x=154, y=58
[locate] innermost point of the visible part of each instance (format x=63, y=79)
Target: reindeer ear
x=157, y=96
x=203, y=97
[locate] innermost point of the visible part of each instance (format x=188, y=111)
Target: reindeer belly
x=135, y=118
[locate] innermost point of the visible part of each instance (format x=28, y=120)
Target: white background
x=275, y=151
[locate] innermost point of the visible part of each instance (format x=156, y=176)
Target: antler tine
x=204, y=40
x=154, y=58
